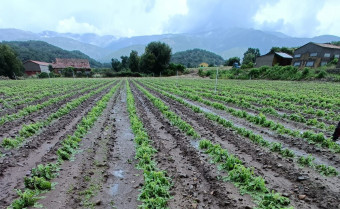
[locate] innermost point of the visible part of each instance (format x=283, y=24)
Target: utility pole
x=216, y=79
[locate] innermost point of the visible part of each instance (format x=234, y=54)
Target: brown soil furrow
x=321, y=191
x=10, y=129
x=14, y=167
x=39, y=101
x=195, y=183
x=298, y=145
x=90, y=164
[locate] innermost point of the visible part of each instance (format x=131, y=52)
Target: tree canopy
x=156, y=58
x=250, y=55
x=42, y=51
x=286, y=50
x=10, y=65
x=232, y=60
x=194, y=57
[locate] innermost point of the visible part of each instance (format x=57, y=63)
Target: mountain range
x=224, y=42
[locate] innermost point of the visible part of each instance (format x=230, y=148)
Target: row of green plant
x=31, y=97
x=34, y=108
x=31, y=129
x=261, y=120
x=41, y=176
x=243, y=177
x=305, y=94
x=255, y=138
x=238, y=174
x=155, y=191
x=298, y=93
x=267, y=103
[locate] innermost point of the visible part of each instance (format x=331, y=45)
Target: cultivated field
x=168, y=143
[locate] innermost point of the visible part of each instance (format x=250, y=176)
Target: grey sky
x=145, y=17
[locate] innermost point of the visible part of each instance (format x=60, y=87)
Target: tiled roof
x=76, y=63
x=39, y=63
x=328, y=46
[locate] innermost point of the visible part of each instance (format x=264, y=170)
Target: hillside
x=42, y=51
x=226, y=42
x=193, y=57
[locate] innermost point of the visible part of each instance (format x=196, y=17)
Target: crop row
x=34, y=96
x=241, y=176
x=255, y=138
x=155, y=191
x=34, y=108
x=41, y=176
x=304, y=93
x=267, y=105
x=261, y=120
x=31, y=129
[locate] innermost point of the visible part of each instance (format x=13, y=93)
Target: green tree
x=250, y=55
x=156, y=58
x=125, y=62
x=116, y=65
x=231, y=61
x=286, y=50
x=134, y=61
x=10, y=65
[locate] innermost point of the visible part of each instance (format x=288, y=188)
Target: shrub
x=43, y=75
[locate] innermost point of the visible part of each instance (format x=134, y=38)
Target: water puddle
x=118, y=173
x=297, y=152
x=114, y=189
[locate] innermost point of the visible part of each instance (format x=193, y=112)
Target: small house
x=274, y=58
x=79, y=65
x=33, y=67
x=315, y=55
x=204, y=64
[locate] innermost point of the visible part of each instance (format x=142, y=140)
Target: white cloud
x=289, y=16
x=114, y=17
x=71, y=25
x=329, y=18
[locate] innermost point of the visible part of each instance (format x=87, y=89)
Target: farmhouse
x=274, y=58
x=315, y=55
x=79, y=65
x=33, y=67
x=204, y=64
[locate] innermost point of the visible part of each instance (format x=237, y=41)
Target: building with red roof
x=79, y=65
x=33, y=67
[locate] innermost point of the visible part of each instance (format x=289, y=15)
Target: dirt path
x=103, y=175
x=321, y=192
x=14, y=167
x=195, y=183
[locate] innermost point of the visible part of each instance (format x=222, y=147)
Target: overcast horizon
x=151, y=17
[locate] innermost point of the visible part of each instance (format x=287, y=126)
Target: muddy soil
x=38, y=101
x=298, y=145
x=105, y=166
x=195, y=183
x=10, y=129
x=319, y=191
x=18, y=163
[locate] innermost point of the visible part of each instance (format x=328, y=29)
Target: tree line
x=154, y=61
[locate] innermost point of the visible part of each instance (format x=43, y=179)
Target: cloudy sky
x=121, y=18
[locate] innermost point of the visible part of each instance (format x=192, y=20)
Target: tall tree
x=250, y=55
x=10, y=65
x=156, y=57
x=125, y=62
x=116, y=65
x=134, y=61
x=231, y=61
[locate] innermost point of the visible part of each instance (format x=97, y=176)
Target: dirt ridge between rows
x=319, y=194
